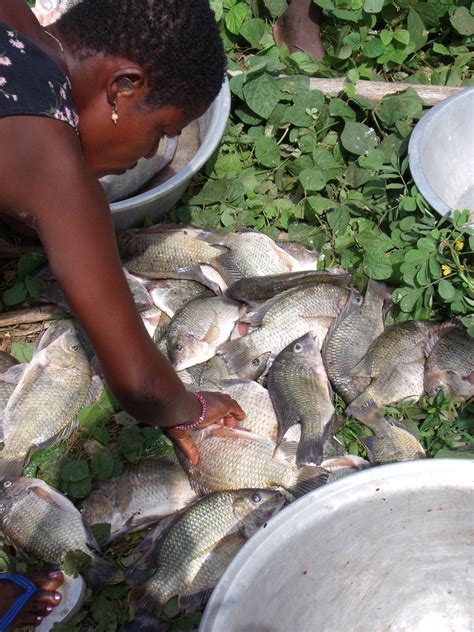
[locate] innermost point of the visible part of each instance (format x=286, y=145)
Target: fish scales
x=300, y=392
x=6, y=389
x=350, y=337
x=142, y=494
x=44, y=405
x=282, y=320
x=199, y=545
x=234, y=459
x=450, y=365
x=42, y=522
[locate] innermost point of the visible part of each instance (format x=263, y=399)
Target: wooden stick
x=374, y=91
x=30, y=315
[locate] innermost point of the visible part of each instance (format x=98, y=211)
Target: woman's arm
x=43, y=176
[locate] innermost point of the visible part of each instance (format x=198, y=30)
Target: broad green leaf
x=463, y=21
x=76, y=562
x=276, y=7
x=213, y=191
x=262, y=94
x=102, y=465
x=101, y=533
x=373, y=48
x=417, y=29
x=267, y=152
x=236, y=16
x=338, y=219
x=358, y=138
x=15, y=295
x=253, y=31
x=312, y=179
x=73, y=471
x=80, y=489
x=407, y=303
x=28, y=263
x=377, y=265
x=446, y=290
x=373, y=6
x=404, y=105
x=33, y=286
x=22, y=352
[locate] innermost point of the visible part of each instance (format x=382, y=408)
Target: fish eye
x=298, y=348
x=81, y=510
x=359, y=299
x=7, y=484
x=178, y=347
x=75, y=347
x=256, y=362
x=256, y=498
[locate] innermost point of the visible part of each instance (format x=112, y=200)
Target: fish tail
x=145, y=623
x=310, y=449
x=309, y=477
x=99, y=572
x=144, y=603
x=11, y=466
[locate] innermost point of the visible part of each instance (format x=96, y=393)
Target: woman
x=89, y=96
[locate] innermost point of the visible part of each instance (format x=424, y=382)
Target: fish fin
x=191, y=603
x=96, y=388
x=364, y=410
x=143, y=602
x=310, y=477
x=226, y=267
x=11, y=467
x=195, y=273
x=310, y=450
x=145, y=623
x=13, y=374
x=61, y=436
x=151, y=546
x=362, y=368
x=286, y=450
x=162, y=328
x=370, y=449
x=99, y=572
x=256, y=316
x=213, y=332
x=394, y=422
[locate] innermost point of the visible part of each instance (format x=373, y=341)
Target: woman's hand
x=221, y=409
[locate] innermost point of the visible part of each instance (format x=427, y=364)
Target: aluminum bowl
x=158, y=200
x=441, y=154
x=389, y=548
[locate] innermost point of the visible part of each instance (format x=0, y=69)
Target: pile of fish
x=251, y=317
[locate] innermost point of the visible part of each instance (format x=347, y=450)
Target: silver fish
x=141, y=495
x=283, y=319
x=43, y=523
x=169, y=295
x=300, y=391
x=6, y=389
x=198, y=328
x=349, y=338
x=450, y=365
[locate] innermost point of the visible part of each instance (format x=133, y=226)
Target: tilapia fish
x=349, y=338
x=192, y=554
x=141, y=495
x=392, y=441
x=237, y=459
x=395, y=364
x=43, y=408
x=306, y=258
x=198, y=328
x=255, y=401
x=281, y=320
x=251, y=253
x=42, y=522
x=6, y=389
x=342, y=466
x=301, y=394
x=450, y=365
x=161, y=252
x=169, y=295
x=259, y=288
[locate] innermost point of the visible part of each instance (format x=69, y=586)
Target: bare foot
x=299, y=28
x=40, y=605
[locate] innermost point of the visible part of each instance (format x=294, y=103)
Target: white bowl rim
x=216, y=130
x=414, y=153
x=453, y=473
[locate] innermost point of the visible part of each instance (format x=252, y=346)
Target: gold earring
x=115, y=116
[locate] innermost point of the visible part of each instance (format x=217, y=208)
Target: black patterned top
x=31, y=83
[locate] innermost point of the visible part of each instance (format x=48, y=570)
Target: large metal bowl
x=441, y=153
x=389, y=548
x=158, y=200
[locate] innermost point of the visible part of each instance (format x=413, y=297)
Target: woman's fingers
x=184, y=441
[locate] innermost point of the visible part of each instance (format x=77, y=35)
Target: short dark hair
x=176, y=42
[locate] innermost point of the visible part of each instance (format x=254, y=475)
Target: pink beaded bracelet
x=195, y=424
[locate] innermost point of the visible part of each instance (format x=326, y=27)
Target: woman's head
x=161, y=62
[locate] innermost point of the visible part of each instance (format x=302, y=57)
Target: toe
x=28, y=619
x=47, y=581
x=47, y=598
x=39, y=608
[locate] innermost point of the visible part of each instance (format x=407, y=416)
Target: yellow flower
x=446, y=269
x=459, y=244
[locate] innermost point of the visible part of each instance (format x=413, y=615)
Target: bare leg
x=299, y=28
x=41, y=603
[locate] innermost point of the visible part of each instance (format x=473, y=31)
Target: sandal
x=29, y=589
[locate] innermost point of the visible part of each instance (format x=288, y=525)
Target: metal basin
x=387, y=549
x=441, y=153
x=158, y=200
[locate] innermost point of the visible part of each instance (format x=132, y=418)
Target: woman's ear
x=126, y=82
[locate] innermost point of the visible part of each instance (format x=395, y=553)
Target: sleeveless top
x=31, y=83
